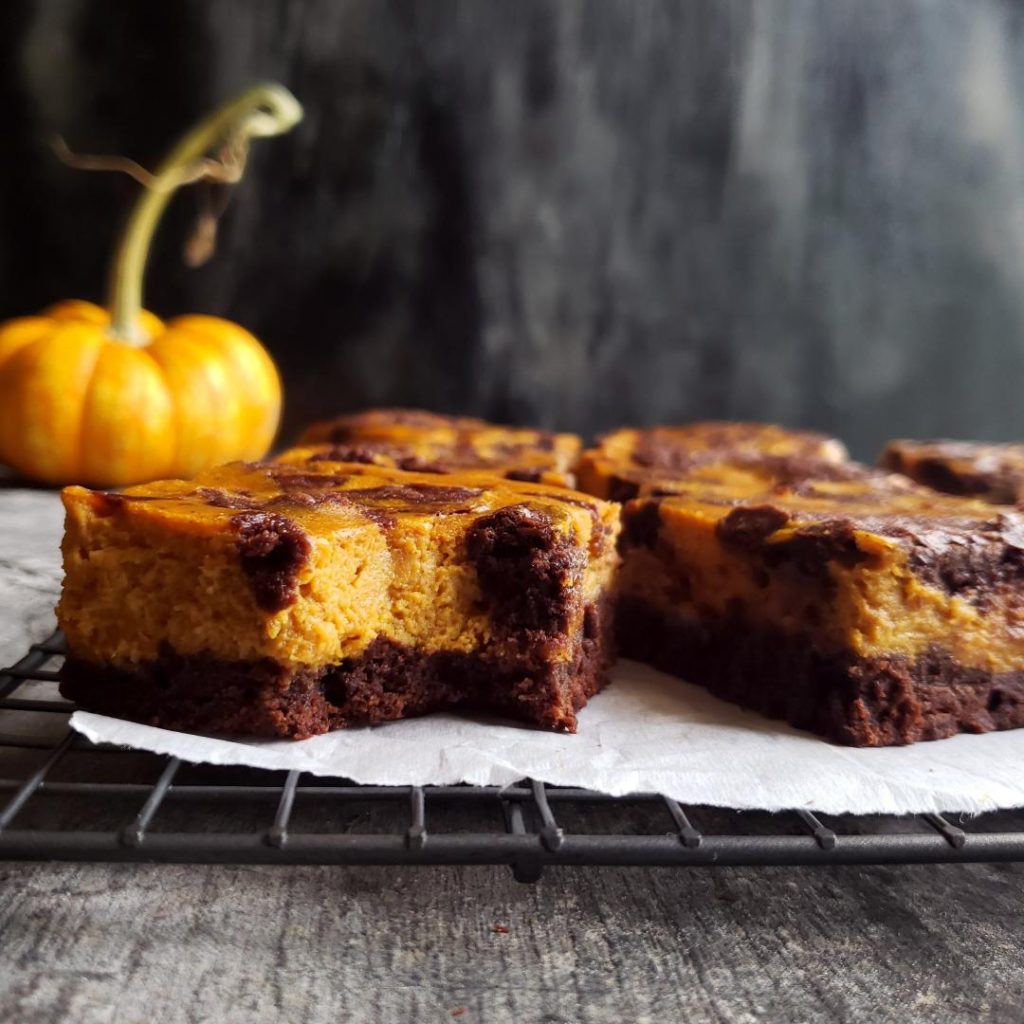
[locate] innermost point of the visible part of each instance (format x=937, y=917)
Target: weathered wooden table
x=152, y=943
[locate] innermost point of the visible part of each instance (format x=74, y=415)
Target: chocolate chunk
x=641, y=521
x=273, y=551
x=748, y=526
x=528, y=573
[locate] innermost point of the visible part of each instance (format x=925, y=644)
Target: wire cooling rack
x=64, y=798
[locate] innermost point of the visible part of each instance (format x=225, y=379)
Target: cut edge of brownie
x=388, y=681
x=856, y=701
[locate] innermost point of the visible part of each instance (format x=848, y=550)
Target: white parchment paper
x=647, y=732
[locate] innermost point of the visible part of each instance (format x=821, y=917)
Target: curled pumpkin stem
x=226, y=168
x=261, y=112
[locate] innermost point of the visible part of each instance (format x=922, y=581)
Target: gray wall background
x=572, y=212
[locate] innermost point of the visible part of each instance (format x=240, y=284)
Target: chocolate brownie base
x=870, y=702
x=388, y=681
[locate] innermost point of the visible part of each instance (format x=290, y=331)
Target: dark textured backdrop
x=575, y=212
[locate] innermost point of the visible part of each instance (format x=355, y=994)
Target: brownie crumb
x=273, y=550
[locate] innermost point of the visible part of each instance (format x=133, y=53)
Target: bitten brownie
x=273, y=599
x=867, y=610
x=426, y=442
x=991, y=472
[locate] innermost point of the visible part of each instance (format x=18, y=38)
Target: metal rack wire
x=62, y=798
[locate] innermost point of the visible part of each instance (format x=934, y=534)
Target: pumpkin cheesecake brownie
x=420, y=441
x=270, y=599
x=991, y=472
x=632, y=461
x=867, y=610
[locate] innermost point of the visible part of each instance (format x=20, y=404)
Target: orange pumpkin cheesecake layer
x=278, y=599
x=420, y=441
x=991, y=472
x=630, y=462
x=867, y=610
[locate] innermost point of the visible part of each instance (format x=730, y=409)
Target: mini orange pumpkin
x=116, y=398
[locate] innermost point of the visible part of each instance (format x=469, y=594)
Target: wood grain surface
x=152, y=944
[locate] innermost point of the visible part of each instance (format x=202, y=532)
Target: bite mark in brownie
x=350, y=569
x=387, y=681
